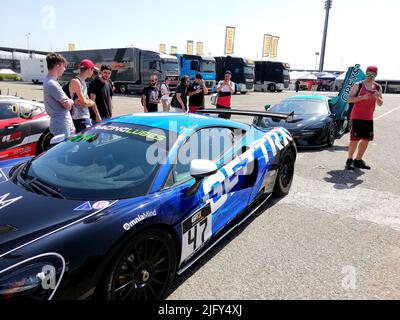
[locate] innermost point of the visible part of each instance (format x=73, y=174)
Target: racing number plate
x=196, y=231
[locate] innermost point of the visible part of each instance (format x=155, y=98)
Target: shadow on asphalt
x=334, y=148
x=221, y=245
x=345, y=179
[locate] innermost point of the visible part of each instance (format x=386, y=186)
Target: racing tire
x=330, y=140
x=243, y=92
x=44, y=143
x=122, y=89
x=144, y=270
x=272, y=88
x=285, y=174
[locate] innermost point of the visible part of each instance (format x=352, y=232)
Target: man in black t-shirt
x=151, y=96
x=197, y=90
x=101, y=92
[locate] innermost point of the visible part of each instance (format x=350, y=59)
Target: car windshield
x=249, y=71
x=170, y=66
x=108, y=162
x=300, y=106
x=207, y=66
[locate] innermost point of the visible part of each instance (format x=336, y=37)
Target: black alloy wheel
x=145, y=269
x=44, y=142
x=122, y=88
x=272, y=88
x=285, y=174
x=331, y=136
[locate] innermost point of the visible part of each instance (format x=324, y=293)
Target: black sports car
x=313, y=123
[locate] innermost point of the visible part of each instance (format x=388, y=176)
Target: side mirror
x=57, y=139
x=200, y=169
x=27, y=115
x=267, y=107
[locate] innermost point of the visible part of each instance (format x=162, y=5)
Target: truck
x=271, y=76
x=242, y=72
x=34, y=69
x=131, y=67
x=192, y=64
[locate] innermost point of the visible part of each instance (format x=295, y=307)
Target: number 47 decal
x=196, y=231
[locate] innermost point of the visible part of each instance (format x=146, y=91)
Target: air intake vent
x=6, y=229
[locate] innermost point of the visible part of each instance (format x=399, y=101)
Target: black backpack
x=66, y=90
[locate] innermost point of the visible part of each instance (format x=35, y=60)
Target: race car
x=313, y=124
x=24, y=128
x=117, y=211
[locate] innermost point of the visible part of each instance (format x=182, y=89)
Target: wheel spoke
x=161, y=271
x=152, y=291
x=124, y=286
x=128, y=293
x=159, y=262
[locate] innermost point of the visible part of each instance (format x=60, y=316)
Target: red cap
x=87, y=64
x=372, y=69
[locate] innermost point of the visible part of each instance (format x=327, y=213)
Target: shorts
x=361, y=130
x=82, y=124
x=152, y=107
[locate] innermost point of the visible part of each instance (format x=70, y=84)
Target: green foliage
x=10, y=77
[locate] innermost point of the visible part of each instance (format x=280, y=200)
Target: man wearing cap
x=78, y=88
x=197, y=90
x=225, y=89
x=362, y=117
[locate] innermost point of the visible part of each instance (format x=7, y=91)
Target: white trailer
x=34, y=70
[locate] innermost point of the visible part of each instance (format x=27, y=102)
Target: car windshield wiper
x=44, y=188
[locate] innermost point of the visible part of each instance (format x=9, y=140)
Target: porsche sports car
x=117, y=211
x=24, y=128
x=314, y=124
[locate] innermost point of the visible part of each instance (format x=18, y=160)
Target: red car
x=24, y=128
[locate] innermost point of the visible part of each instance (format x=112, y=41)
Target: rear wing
x=288, y=117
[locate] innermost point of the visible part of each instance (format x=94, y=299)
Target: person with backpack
x=56, y=101
x=78, y=88
x=165, y=92
x=365, y=96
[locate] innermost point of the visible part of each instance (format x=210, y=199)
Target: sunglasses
x=370, y=75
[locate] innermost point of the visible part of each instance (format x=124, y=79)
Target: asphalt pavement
x=335, y=236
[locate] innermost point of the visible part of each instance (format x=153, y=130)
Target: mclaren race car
x=117, y=211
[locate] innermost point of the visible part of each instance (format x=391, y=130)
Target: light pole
x=316, y=61
x=328, y=6
x=27, y=40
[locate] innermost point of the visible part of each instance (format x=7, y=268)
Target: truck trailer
x=131, y=67
x=242, y=72
x=34, y=69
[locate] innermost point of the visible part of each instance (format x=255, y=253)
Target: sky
x=359, y=30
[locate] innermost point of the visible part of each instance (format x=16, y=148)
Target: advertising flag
x=230, y=40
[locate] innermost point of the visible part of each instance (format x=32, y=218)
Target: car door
x=220, y=197
x=13, y=127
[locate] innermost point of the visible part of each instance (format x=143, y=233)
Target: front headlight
x=36, y=278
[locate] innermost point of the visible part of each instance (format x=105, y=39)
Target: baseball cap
x=86, y=63
x=372, y=69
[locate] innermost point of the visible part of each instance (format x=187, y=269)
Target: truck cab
x=242, y=72
x=271, y=76
x=193, y=64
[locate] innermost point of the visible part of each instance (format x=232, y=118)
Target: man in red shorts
x=362, y=117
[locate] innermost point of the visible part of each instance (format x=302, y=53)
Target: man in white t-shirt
x=165, y=91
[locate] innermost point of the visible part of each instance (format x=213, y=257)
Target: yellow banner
x=267, y=45
x=189, y=49
x=200, y=48
x=274, y=47
x=229, y=40
x=71, y=47
x=163, y=48
x=174, y=50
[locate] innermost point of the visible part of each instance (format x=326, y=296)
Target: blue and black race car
x=117, y=211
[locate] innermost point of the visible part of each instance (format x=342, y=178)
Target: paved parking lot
x=336, y=236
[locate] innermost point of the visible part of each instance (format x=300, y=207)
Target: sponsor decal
x=84, y=207
x=101, y=205
x=3, y=177
x=11, y=138
x=4, y=202
x=141, y=133
x=149, y=214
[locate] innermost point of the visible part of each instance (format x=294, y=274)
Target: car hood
x=25, y=216
x=299, y=122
